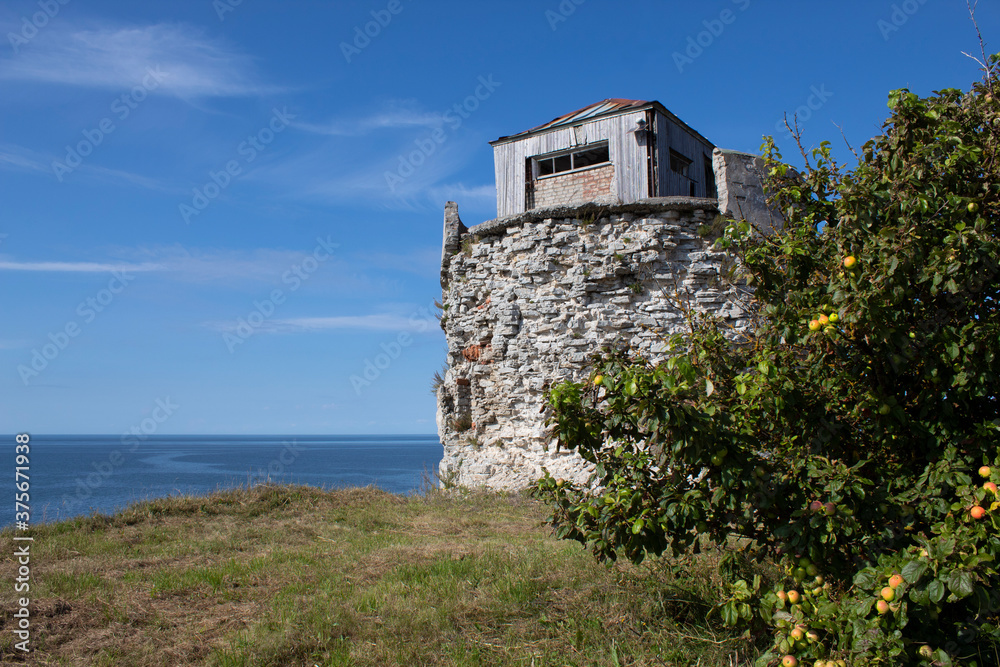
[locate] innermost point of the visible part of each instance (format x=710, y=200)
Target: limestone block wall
x=578, y=187
x=528, y=299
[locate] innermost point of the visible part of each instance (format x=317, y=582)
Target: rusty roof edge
x=555, y=124
x=564, y=120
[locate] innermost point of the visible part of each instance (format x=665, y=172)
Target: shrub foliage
x=850, y=432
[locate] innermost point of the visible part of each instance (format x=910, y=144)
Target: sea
x=70, y=476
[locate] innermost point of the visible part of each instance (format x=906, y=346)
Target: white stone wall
x=528, y=300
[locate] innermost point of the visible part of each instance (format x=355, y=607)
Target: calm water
x=73, y=475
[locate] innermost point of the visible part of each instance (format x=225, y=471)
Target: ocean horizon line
x=162, y=436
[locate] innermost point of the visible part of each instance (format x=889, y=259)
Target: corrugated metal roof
x=603, y=108
x=610, y=106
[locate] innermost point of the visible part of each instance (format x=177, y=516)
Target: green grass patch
x=278, y=575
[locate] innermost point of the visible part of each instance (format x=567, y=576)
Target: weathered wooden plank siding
x=664, y=184
x=509, y=168
x=628, y=154
x=693, y=149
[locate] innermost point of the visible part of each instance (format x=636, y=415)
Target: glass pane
x=679, y=163
x=545, y=167
x=562, y=163
x=592, y=156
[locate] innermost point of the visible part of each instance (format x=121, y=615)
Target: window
x=578, y=159
x=679, y=163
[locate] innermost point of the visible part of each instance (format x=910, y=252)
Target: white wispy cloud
x=186, y=62
x=394, y=114
x=18, y=158
x=462, y=192
x=235, y=268
x=322, y=174
x=76, y=267
x=177, y=262
x=373, y=322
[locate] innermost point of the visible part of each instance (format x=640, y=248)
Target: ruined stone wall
x=528, y=299
x=578, y=187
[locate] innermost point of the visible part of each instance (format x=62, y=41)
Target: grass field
x=281, y=575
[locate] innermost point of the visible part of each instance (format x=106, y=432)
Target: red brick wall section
x=575, y=188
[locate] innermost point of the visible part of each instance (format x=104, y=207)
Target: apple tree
x=852, y=433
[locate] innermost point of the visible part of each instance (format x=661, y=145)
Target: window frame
x=571, y=152
x=687, y=162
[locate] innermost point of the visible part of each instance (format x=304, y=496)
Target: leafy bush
x=852, y=431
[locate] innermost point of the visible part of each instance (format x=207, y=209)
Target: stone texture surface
x=529, y=298
x=739, y=177
x=452, y=237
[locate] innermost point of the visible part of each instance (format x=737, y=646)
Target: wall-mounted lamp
x=641, y=130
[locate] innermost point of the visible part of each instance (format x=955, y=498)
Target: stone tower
x=600, y=242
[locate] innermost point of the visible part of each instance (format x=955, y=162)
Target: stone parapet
x=529, y=298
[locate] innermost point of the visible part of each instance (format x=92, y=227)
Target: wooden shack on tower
x=615, y=151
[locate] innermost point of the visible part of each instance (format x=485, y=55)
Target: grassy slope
x=298, y=576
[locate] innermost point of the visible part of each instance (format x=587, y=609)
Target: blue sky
x=217, y=215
